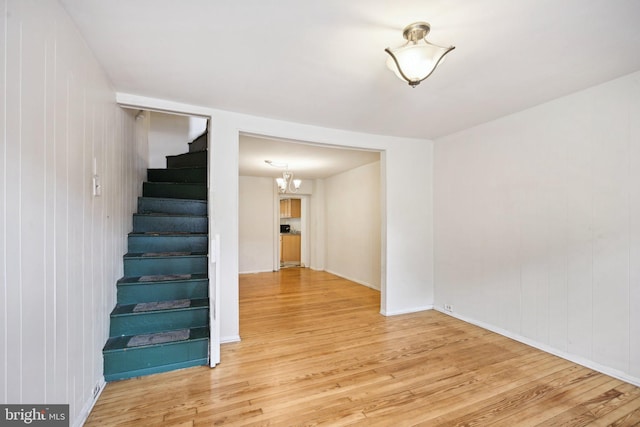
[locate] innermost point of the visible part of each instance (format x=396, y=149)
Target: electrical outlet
x=448, y=307
x=96, y=391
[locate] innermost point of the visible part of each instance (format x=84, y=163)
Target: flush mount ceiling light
x=417, y=59
x=286, y=184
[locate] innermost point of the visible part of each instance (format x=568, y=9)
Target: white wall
x=537, y=225
x=406, y=217
x=168, y=136
x=60, y=248
x=317, y=221
x=256, y=225
x=259, y=219
x=407, y=239
x=353, y=228
x=197, y=126
x=348, y=202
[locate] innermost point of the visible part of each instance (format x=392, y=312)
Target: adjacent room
x=339, y=213
x=329, y=208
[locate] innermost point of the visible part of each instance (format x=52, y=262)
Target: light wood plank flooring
x=316, y=351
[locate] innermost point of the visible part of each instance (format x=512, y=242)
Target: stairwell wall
x=60, y=247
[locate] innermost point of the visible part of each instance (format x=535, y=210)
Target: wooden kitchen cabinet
x=290, y=208
x=289, y=247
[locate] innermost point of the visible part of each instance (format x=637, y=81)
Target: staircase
x=161, y=319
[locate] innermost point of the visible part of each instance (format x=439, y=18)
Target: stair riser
x=151, y=322
x=172, y=265
x=134, y=362
x=174, y=190
x=151, y=243
x=199, y=144
x=188, y=160
x=172, y=206
x=162, y=291
x=190, y=175
x=147, y=223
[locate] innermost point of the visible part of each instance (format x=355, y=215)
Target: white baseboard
x=359, y=282
x=548, y=349
x=88, y=406
x=256, y=271
x=406, y=311
x=229, y=339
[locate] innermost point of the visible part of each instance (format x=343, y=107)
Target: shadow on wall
x=169, y=135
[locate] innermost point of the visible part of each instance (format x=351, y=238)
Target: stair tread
x=173, y=199
x=199, y=168
x=170, y=278
x=162, y=307
x=199, y=184
x=167, y=234
x=116, y=344
x=187, y=154
x=158, y=255
x=163, y=214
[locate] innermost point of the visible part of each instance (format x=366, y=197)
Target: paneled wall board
x=60, y=248
x=634, y=238
x=536, y=225
x=4, y=291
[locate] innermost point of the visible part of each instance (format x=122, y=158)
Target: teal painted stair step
x=143, y=223
x=188, y=160
x=172, y=206
x=161, y=320
x=121, y=362
x=184, y=175
x=133, y=290
x=136, y=264
x=187, y=313
x=175, y=190
x=167, y=242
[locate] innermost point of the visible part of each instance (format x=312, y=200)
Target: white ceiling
x=306, y=161
x=323, y=62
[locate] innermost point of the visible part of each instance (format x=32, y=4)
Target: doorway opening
x=338, y=227
x=294, y=231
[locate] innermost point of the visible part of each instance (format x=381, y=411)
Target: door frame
x=305, y=231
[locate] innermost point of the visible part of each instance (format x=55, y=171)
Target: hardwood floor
x=316, y=351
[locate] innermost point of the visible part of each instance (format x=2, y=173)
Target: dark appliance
x=285, y=228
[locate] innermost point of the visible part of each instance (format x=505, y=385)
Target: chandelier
x=417, y=59
x=286, y=184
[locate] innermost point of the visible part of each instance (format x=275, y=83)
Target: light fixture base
x=416, y=31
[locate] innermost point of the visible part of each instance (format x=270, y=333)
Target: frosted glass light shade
x=417, y=59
